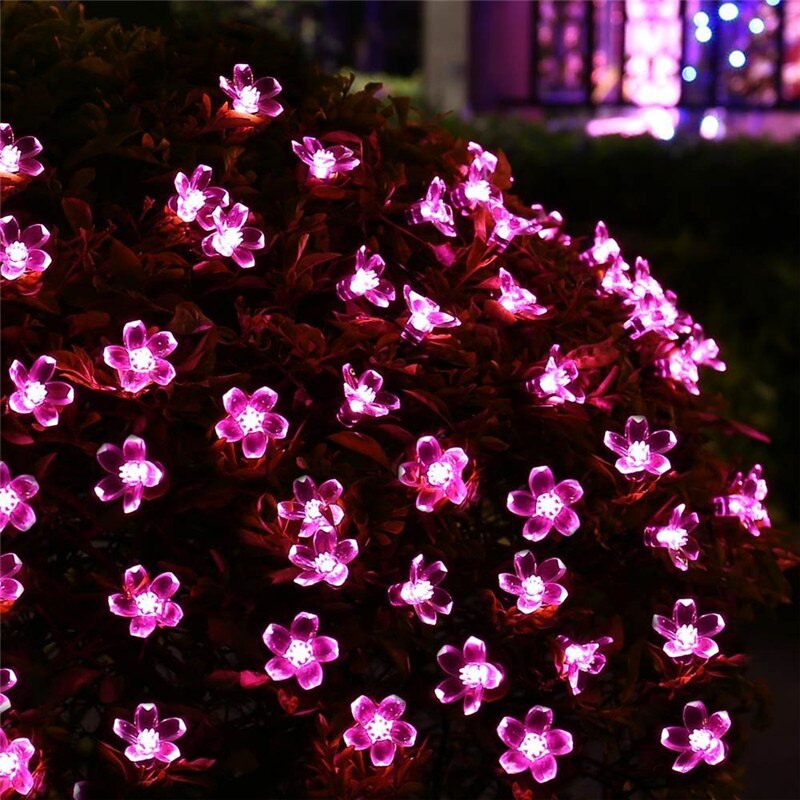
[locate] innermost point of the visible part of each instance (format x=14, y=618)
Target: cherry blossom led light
x=534, y=586
x=425, y=315
x=516, y=299
x=10, y=587
x=676, y=537
x=14, y=494
x=699, y=739
x=476, y=190
x=325, y=164
x=433, y=208
x=640, y=451
x=508, y=226
x=364, y=397
x=576, y=661
x=547, y=505
x=150, y=742
x=15, y=755
x=470, y=674
x=533, y=744
x=141, y=360
x=325, y=559
x=251, y=420
x=379, y=728
x=366, y=281
x=746, y=501
x=21, y=250
x=231, y=238
x=130, y=473
x=436, y=474
x=688, y=636
x=315, y=508
x=422, y=591
x=8, y=680
x=682, y=362
x=147, y=603
x=36, y=394
x=17, y=155
x=195, y=199
x=250, y=96
x=557, y=381
x=605, y=250
x=299, y=651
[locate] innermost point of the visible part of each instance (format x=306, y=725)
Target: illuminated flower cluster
x=10, y=587
x=516, y=299
x=251, y=420
x=130, y=473
x=576, y=661
x=324, y=559
x=424, y=316
x=250, y=96
x=687, y=634
x=366, y=281
x=508, y=226
x=676, y=536
x=547, y=505
x=379, y=728
x=325, y=164
x=364, y=397
x=533, y=744
x=639, y=450
x=21, y=250
x=15, y=756
x=535, y=586
x=699, y=739
x=433, y=208
x=422, y=591
x=471, y=676
x=8, y=680
x=231, y=237
x=17, y=155
x=604, y=250
x=315, y=508
x=557, y=381
x=150, y=742
x=299, y=651
x=745, y=500
x=142, y=360
x=436, y=474
x=476, y=190
x=196, y=200
x=14, y=494
x=147, y=602
x=36, y=394
x=681, y=363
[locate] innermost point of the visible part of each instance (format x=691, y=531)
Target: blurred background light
x=689, y=74
x=728, y=12
x=737, y=59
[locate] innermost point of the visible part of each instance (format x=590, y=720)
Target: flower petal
x=309, y=676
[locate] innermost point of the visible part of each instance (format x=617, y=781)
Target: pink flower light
x=700, y=738
x=14, y=495
x=231, y=238
x=363, y=397
x=687, y=634
x=476, y=190
x=471, y=675
x=547, y=505
x=745, y=501
x=535, y=587
x=250, y=96
x=425, y=315
x=432, y=208
x=299, y=651
x=436, y=474
x=605, y=249
x=516, y=299
x=14, y=771
x=639, y=450
x=147, y=602
x=251, y=420
x=575, y=661
x=422, y=592
x=131, y=474
x=379, y=728
x=557, y=381
x=142, y=359
x=36, y=394
x=324, y=164
x=675, y=537
x=325, y=560
x=196, y=200
x=21, y=250
x=366, y=281
x=681, y=363
x=8, y=680
x=533, y=745
x=316, y=509
x=17, y=155
x=508, y=226
x=10, y=588
x=150, y=742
